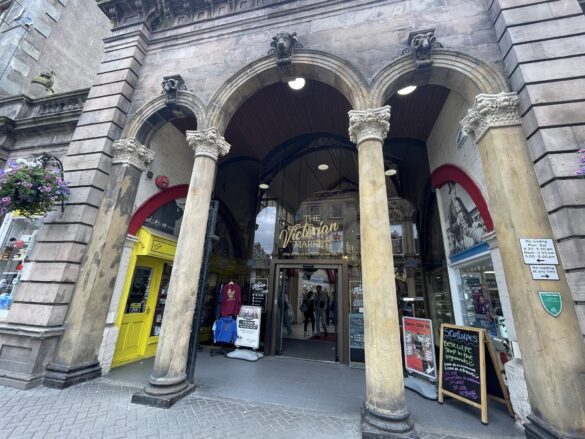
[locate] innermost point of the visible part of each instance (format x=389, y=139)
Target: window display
x=440, y=304
x=162, y=300
x=17, y=237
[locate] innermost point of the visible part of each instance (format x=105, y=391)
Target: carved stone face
x=284, y=42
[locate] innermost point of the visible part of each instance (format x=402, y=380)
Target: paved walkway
x=102, y=408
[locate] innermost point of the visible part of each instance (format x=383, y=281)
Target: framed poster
x=248, y=326
x=419, y=346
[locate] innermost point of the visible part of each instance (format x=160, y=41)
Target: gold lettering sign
x=308, y=237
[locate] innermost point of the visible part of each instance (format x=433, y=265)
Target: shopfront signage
x=552, y=302
x=539, y=251
x=419, y=348
x=313, y=236
x=464, y=371
x=259, y=292
x=544, y=272
x=356, y=339
x=248, y=327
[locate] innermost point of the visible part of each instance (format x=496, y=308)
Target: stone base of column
x=163, y=401
x=60, y=377
x=376, y=425
x=538, y=429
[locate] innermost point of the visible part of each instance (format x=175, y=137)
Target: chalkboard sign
x=356, y=338
x=460, y=366
x=464, y=373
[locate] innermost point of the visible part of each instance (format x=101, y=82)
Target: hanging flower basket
x=31, y=189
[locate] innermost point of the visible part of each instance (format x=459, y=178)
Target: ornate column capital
x=373, y=123
x=208, y=143
x=131, y=152
x=490, y=111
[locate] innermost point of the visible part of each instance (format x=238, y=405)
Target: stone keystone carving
x=421, y=44
x=130, y=152
x=491, y=111
x=282, y=46
x=171, y=86
x=373, y=123
x=208, y=143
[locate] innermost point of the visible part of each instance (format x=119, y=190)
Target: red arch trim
x=153, y=203
x=447, y=173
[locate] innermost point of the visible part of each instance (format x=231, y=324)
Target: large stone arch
x=457, y=71
x=310, y=64
x=185, y=99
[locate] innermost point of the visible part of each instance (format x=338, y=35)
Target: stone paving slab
x=101, y=410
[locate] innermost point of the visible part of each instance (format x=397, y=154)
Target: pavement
x=273, y=398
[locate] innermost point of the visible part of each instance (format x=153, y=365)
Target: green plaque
x=552, y=302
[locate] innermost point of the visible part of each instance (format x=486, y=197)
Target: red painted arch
x=153, y=203
x=446, y=173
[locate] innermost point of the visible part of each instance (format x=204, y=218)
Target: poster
x=248, y=324
x=259, y=289
x=357, y=296
x=419, y=348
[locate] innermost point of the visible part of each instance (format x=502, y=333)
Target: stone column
x=553, y=353
x=76, y=359
x=384, y=413
x=168, y=381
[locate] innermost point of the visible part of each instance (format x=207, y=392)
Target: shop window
x=336, y=211
x=139, y=290
x=314, y=210
x=167, y=218
x=440, y=305
x=415, y=239
x=397, y=239
x=17, y=237
x=480, y=298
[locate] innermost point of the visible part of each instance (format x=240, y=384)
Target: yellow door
x=141, y=295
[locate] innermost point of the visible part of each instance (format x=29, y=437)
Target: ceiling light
x=323, y=167
x=263, y=186
x=392, y=170
x=406, y=90
x=297, y=84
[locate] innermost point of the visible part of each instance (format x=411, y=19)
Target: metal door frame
x=271, y=330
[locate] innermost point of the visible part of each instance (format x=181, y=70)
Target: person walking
x=308, y=310
x=320, y=311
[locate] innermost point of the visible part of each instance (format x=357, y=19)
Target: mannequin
x=231, y=299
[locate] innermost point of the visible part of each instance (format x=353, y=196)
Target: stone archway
x=185, y=100
x=310, y=64
x=457, y=71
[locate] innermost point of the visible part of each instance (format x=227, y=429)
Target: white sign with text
x=539, y=251
x=544, y=272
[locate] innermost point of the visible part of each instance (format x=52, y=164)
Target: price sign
x=539, y=251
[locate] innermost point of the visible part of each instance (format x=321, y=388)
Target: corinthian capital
x=130, y=152
x=491, y=111
x=373, y=123
x=208, y=143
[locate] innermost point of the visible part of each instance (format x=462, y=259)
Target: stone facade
x=221, y=52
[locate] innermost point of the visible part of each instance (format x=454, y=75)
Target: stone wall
x=35, y=43
x=544, y=58
x=173, y=158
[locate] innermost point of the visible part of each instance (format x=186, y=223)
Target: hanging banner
x=248, y=324
x=419, y=347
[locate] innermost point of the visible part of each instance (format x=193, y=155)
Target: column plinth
x=384, y=414
x=77, y=354
x=553, y=353
x=168, y=380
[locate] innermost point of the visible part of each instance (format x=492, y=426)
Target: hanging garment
x=225, y=330
x=231, y=300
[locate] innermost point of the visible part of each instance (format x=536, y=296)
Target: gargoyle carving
x=171, y=86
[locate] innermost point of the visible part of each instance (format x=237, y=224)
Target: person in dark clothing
x=308, y=309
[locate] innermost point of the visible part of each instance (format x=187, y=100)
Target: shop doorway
x=308, y=319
